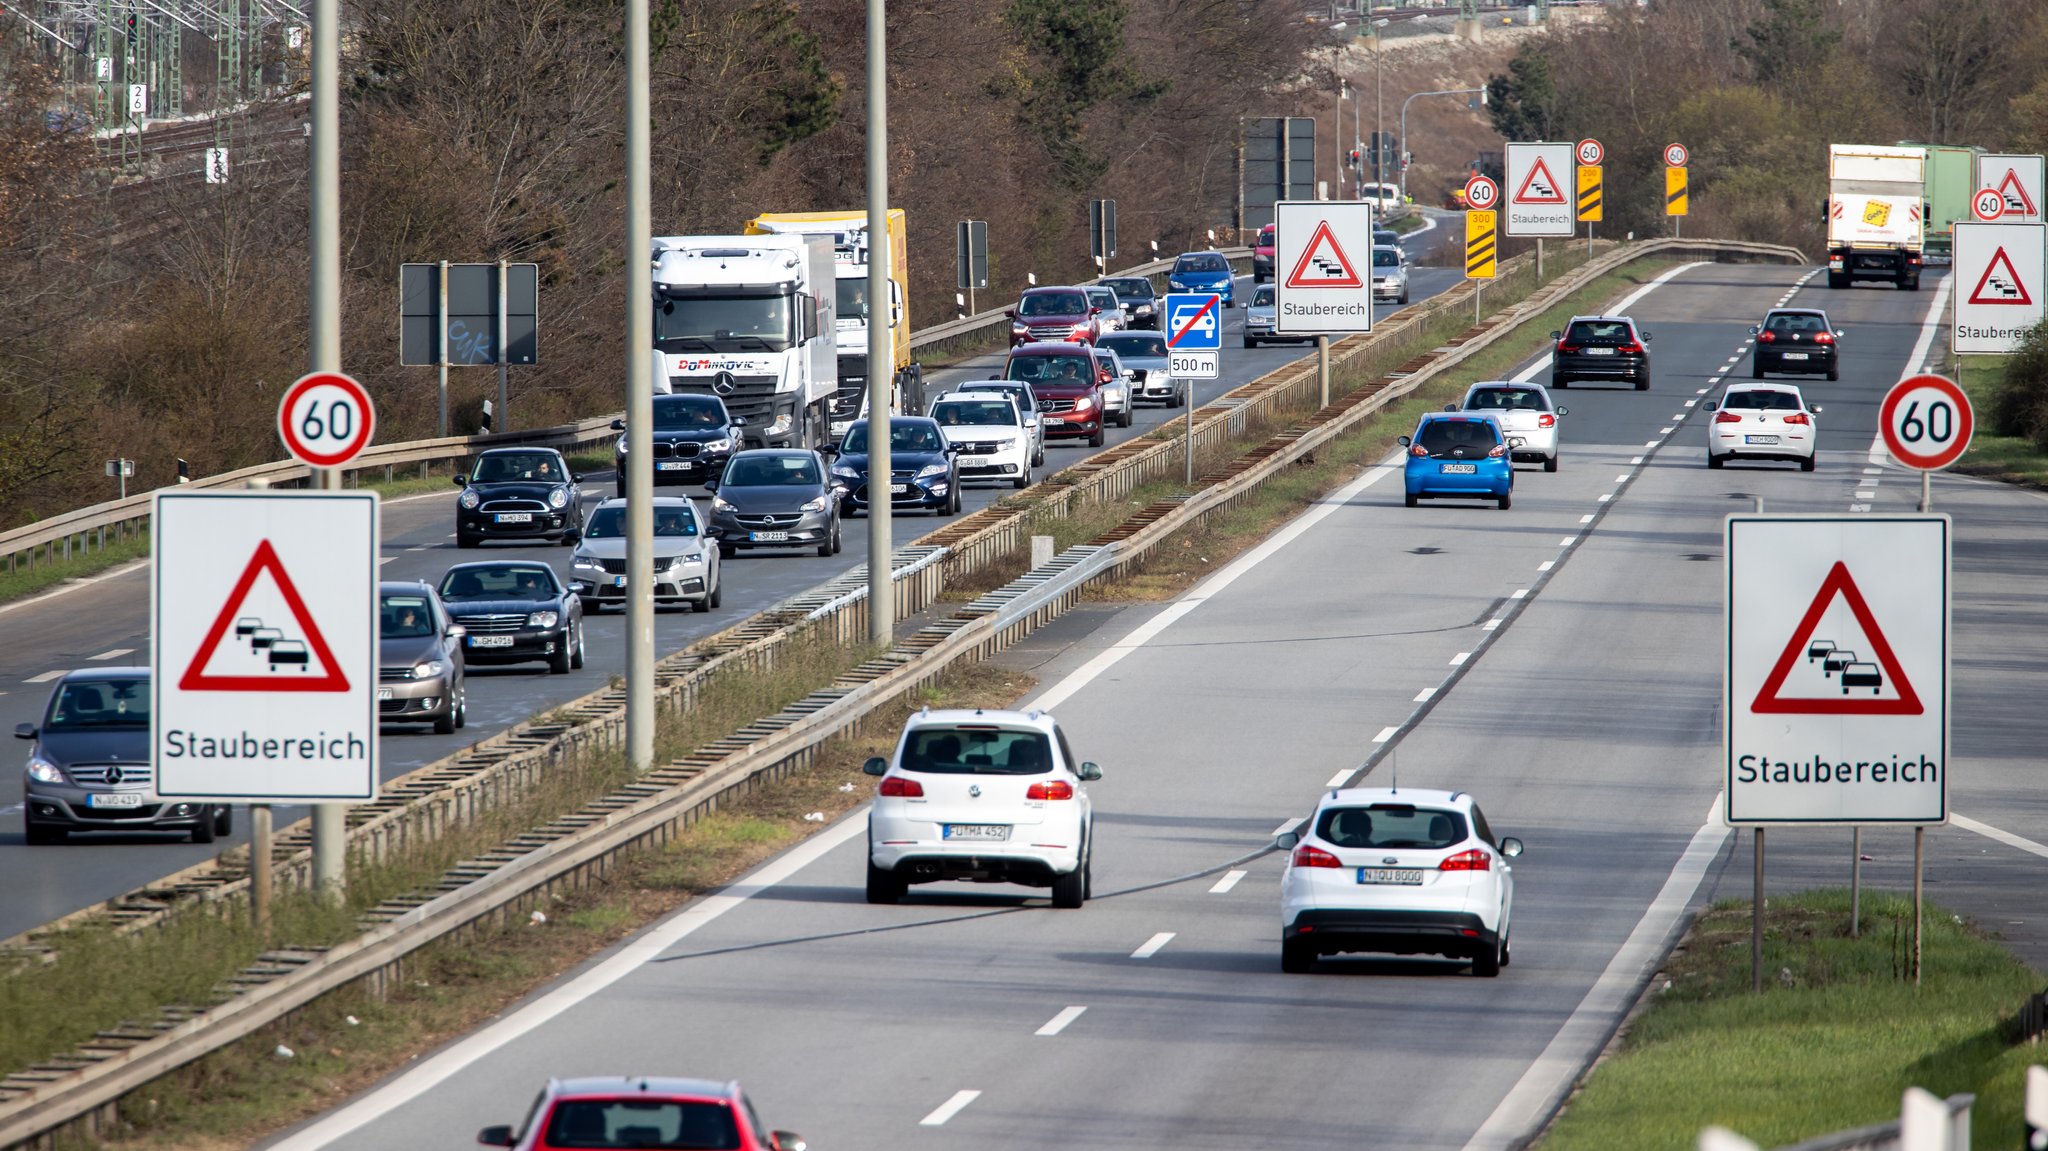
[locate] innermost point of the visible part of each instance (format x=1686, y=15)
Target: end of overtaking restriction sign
x=325, y=419
x=1194, y=334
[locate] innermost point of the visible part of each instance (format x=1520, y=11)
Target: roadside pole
x=1539, y=261
x=259, y=839
x=1756, y=921
x=501, y=421
x=1919, y=876
x=441, y=356
x=639, y=398
x=330, y=823
x=1855, y=882
x=881, y=348
x=1322, y=370
x=1187, y=437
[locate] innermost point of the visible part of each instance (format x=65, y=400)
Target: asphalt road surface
x=1560, y=660
x=106, y=622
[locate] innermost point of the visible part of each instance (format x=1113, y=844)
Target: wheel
x=444, y=724
x=1023, y=481
x=1250, y=343
x=1912, y=285
x=1835, y=373
x=883, y=886
x=1550, y=464
x=1756, y=369
x=1414, y=500
x=558, y=663
x=1507, y=950
x=1560, y=381
x=1643, y=385
x=1124, y=421
x=837, y=541
x=1404, y=297
x=463, y=541
x=1095, y=441
x=717, y=596
x=1296, y=958
x=1507, y=501
x=224, y=820
x=1038, y=460
x=727, y=551
x=1181, y=398
x=1808, y=464
x=202, y=832
x=40, y=836
x=462, y=706
x=953, y=498
x=1837, y=280
x=576, y=656
x=1715, y=462
x=825, y=547
x=1070, y=891
x=1487, y=966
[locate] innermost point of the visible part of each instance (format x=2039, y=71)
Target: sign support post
x=330, y=830
x=1756, y=920
x=501, y=420
x=441, y=356
x=1323, y=370
x=1855, y=882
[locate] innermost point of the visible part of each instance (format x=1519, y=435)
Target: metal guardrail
x=89, y=1083
x=1952, y=1135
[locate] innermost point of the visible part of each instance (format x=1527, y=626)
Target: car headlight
x=782, y=424
x=43, y=771
x=543, y=618
x=687, y=559
x=847, y=473
x=427, y=669
x=621, y=448
x=1083, y=404
x=558, y=498
x=720, y=445
x=929, y=470
x=1177, y=285
x=1143, y=309
x=816, y=505
x=469, y=499
x=718, y=504
x=1005, y=445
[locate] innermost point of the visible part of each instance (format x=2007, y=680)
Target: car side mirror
x=875, y=765
x=1647, y=337
x=1557, y=335
x=24, y=731
x=574, y=478
x=571, y=538
x=828, y=450
x=456, y=631
x=711, y=483
x=1709, y=406
x=1094, y=311
x=1511, y=847
x=619, y=425
x=1286, y=840
x=1010, y=312
x=499, y=1136
x=1404, y=441
x=737, y=422
x=1450, y=407
x=461, y=481
x=1754, y=330
x=1564, y=411
x=1090, y=772
x=787, y=1141
x=1839, y=333
x=1815, y=409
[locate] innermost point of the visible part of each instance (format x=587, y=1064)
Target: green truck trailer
x=1951, y=179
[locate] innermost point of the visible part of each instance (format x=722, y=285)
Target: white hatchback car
x=1525, y=414
x=990, y=433
x=984, y=797
x=1409, y=871
x=1762, y=422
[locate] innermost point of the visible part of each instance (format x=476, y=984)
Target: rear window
x=977, y=750
x=642, y=1123
x=1448, y=437
x=1135, y=345
x=1391, y=826
x=1507, y=398
x=1598, y=332
x=1802, y=322
x=1762, y=401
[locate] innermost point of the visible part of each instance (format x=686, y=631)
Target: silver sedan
x=1525, y=414
x=1144, y=356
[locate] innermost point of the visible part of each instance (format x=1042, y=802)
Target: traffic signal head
x=131, y=21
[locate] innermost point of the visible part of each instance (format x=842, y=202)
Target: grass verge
x=1837, y=1035
x=348, y=1041
x=2010, y=459
x=25, y=581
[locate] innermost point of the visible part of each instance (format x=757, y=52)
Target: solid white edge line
x=1058, y=1023
x=949, y=1108
x=1585, y=1032
x=1230, y=878
x=2005, y=837
x=72, y=585
x=694, y=915
x=1937, y=312
x=1151, y=946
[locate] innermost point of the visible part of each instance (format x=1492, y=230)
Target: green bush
x=2020, y=405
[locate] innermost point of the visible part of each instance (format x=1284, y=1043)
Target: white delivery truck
x=751, y=320
x=1876, y=214
x=852, y=248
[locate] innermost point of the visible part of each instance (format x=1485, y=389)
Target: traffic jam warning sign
x=2018, y=180
x=1836, y=684
x=1326, y=247
x=1538, y=204
x=2001, y=276
x=264, y=646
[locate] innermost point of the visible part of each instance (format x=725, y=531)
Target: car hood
x=1066, y=318
x=462, y=609
x=405, y=651
x=1062, y=391
x=95, y=745
x=522, y=490
x=980, y=433
x=665, y=547
x=898, y=461
x=687, y=435
x=1146, y=363
x=1262, y=311
x=769, y=498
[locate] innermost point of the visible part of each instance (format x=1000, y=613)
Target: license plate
x=768, y=537
x=490, y=641
x=988, y=832
x=839, y=428
x=1759, y=439
x=513, y=517
x=1460, y=469
x=1408, y=876
x=618, y=581
x=384, y=693
x=122, y=800
x=1599, y=351
x=672, y=466
x=898, y=489
x=973, y=461
x=1794, y=355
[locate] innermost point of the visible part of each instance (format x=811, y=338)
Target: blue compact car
x=1459, y=456
x=1203, y=272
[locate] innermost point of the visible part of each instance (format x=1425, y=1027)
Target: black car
x=693, y=437
x=517, y=494
x=89, y=768
x=1795, y=341
x=1600, y=348
x=776, y=498
x=514, y=611
x=923, y=474
x=1139, y=298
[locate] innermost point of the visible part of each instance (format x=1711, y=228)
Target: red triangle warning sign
x=1861, y=677
x=1323, y=263
x=279, y=655
x=2015, y=193
x=2001, y=284
x=1539, y=186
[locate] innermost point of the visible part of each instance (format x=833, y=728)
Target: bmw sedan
x=1762, y=422
x=517, y=494
x=685, y=561
x=515, y=611
x=923, y=471
x=693, y=436
x=776, y=498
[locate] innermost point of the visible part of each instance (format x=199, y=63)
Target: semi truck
x=1951, y=185
x=1876, y=216
x=852, y=248
x=751, y=320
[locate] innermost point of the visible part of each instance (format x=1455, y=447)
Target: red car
x=1054, y=314
x=1068, y=383
x=1262, y=256
x=627, y=1112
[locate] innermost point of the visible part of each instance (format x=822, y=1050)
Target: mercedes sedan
x=515, y=611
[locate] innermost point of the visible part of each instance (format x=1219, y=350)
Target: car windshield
x=687, y=413
x=609, y=522
x=1385, y=237
x=1385, y=258
x=1762, y=401
x=1389, y=826
x=1445, y=437
x=904, y=436
x=771, y=472
x=1128, y=287
x=1054, y=304
x=643, y=1124
x=518, y=467
x=1103, y=298
x=1201, y=262
x=1803, y=323
x=1262, y=296
x=977, y=750
x=852, y=298
x=1597, y=331
x=1144, y=346
x=1266, y=236
x=499, y=581
x=954, y=413
x=404, y=617
x=1508, y=398
x=1059, y=371
x=83, y=703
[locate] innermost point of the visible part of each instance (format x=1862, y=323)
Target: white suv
x=984, y=797
x=990, y=433
x=1408, y=871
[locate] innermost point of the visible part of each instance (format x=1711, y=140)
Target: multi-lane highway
x=106, y=622
x=1560, y=660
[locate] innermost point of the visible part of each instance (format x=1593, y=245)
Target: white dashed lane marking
x=1425, y=695
x=1230, y=878
x=949, y=1108
x=114, y=653
x=1386, y=733
x=1152, y=945
x=1546, y=565
x=1460, y=658
x=1058, y=1023
x=48, y=675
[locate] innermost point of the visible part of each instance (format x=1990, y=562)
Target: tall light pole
x=1481, y=102
x=1379, y=108
x=330, y=820
x=639, y=462
x=881, y=349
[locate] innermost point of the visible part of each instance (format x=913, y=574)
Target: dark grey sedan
x=776, y=498
x=89, y=767
x=419, y=658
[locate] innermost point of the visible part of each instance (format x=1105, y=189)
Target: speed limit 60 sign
x=325, y=419
x=1926, y=422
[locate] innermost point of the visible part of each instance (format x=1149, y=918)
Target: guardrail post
x=1923, y=1122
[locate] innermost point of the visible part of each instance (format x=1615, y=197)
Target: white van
x=1383, y=197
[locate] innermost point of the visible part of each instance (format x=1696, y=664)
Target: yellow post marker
x=1481, y=250
x=1589, y=193
x=1675, y=194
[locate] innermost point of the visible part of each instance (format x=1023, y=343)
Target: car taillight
x=1546, y=420
x=1057, y=789
x=1564, y=347
x=902, y=788
x=1824, y=338
x=1417, y=450
x=1497, y=451
x=1766, y=338
x=1473, y=860
x=1632, y=349
x=1306, y=856
x=1798, y=418
x=1727, y=418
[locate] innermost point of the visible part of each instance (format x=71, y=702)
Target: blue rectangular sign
x=1194, y=321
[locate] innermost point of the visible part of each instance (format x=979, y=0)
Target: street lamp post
x=1404, y=121
x=1379, y=109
